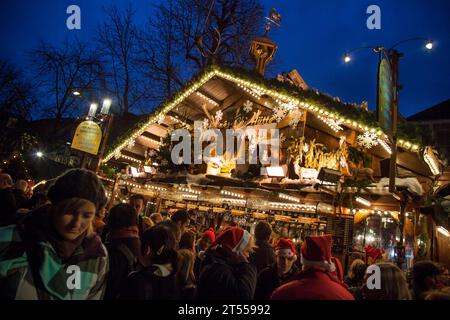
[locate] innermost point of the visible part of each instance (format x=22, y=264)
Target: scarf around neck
x=127, y=232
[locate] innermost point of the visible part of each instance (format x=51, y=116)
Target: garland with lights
x=318, y=103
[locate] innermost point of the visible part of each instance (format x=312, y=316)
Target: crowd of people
x=123, y=254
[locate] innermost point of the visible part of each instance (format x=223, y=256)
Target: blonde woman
x=185, y=274
x=393, y=285
x=40, y=256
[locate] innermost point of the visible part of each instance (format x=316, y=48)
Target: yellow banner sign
x=87, y=137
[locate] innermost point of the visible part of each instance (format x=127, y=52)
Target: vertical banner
x=385, y=96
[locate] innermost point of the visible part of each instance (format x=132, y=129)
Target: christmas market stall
x=321, y=164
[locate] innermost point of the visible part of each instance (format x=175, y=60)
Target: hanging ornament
x=205, y=123
x=248, y=106
x=219, y=115
x=367, y=140
x=279, y=113
x=296, y=116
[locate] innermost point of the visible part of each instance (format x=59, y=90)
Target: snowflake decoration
x=131, y=144
x=367, y=140
x=279, y=113
x=205, y=123
x=296, y=116
x=219, y=115
x=248, y=106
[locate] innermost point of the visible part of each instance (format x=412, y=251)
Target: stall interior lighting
x=363, y=201
x=443, y=231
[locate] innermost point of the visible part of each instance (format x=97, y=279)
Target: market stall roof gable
x=219, y=87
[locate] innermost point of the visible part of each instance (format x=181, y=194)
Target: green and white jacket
x=83, y=277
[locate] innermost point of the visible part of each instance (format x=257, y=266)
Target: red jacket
x=312, y=284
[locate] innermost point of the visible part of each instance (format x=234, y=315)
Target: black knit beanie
x=78, y=183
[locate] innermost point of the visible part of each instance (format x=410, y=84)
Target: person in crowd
x=225, y=272
x=425, y=277
x=205, y=241
x=157, y=280
x=21, y=187
x=37, y=200
x=7, y=200
x=156, y=217
x=393, y=285
x=280, y=272
x=315, y=281
x=98, y=223
x=124, y=247
x=187, y=241
x=338, y=270
x=181, y=218
x=444, y=277
x=356, y=273
x=263, y=256
x=37, y=256
x=439, y=294
x=185, y=275
x=137, y=201
x=174, y=228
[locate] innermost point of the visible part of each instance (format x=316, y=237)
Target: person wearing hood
x=225, y=272
x=158, y=279
x=124, y=247
x=280, y=272
x=316, y=281
x=54, y=254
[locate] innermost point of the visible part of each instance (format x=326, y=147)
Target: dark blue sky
x=313, y=38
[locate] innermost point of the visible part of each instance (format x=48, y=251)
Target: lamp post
x=393, y=57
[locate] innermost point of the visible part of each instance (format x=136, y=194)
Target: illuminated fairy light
x=207, y=99
x=189, y=190
x=130, y=158
x=253, y=92
x=257, y=91
x=300, y=207
x=432, y=164
x=363, y=201
x=231, y=194
x=385, y=146
x=152, y=140
x=235, y=201
x=156, y=188
x=335, y=126
x=179, y=121
x=190, y=196
x=134, y=185
x=288, y=197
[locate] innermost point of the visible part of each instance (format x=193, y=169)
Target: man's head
x=156, y=217
x=137, y=201
x=208, y=237
x=263, y=230
x=5, y=181
x=21, y=185
x=181, y=218
x=285, y=254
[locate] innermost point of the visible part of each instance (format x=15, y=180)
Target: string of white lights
x=288, y=197
x=231, y=194
x=207, y=99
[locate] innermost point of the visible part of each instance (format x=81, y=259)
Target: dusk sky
x=312, y=39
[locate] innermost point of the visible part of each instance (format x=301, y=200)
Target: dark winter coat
x=224, y=277
x=8, y=206
x=263, y=256
x=21, y=199
x=122, y=261
x=269, y=280
x=312, y=284
x=150, y=284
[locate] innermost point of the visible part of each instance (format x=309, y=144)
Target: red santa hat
x=209, y=234
x=285, y=248
x=235, y=239
x=316, y=252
